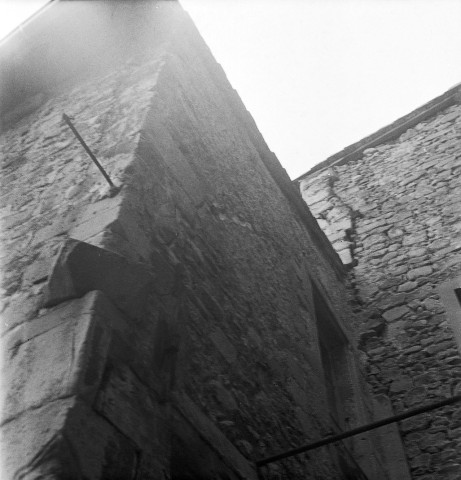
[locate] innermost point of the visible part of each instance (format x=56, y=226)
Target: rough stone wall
x=247, y=281
x=167, y=329
x=66, y=335
x=393, y=215
x=48, y=180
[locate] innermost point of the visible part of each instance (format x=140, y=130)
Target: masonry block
x=161, y=147
x=94, y=220
x=101, y=450
x=391, y=441
x=33, y=446
x=185, y=409
x=133, y=407
x=66, y=440
x=81, y=267
x=63, y=355
x=58, y=354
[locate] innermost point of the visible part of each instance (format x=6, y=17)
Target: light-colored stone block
x=395, y=313
x=59, y=354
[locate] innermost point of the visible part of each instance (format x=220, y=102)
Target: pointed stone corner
x=32, y=445
x=56, y=441
x=73, y=339
x=81, y=268
x=46, y=398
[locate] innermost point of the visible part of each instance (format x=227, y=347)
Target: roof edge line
x=19, y=29
x=389, y=132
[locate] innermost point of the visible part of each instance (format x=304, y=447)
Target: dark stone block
x=81, y=268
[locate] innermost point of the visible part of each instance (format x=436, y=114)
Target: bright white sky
x=318, y=75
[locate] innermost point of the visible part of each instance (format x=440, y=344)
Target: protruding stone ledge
x=81, y=268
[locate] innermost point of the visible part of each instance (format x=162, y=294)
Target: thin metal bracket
x=87, y=149
x=356, y=431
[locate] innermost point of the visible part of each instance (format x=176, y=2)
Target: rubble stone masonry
x=391, y=206
x=166, y=329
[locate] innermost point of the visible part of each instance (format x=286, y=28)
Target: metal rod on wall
x=87, y=149
x=356, y=431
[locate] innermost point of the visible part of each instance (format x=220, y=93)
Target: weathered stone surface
x=58, y=354
x=345, y=256
x=415, y=423
x=209, y=431
x=81, y=267
x=433, y=305
x=417, y=252
x=37, y=271
x=33, y=444
x=95, y=219
x=407, y=286
x=415, y=396
x=322, y=195
x=18, y=309
x=395, y=313
x=211, y=214
x=395, y=233
x=393, y=451
x=419, y=272
x=224, y=346
x=439, y=244
x=401, y=384
x=391, y=281
x=410, y=189
x=128, y=404
x=392, y=301
x=100, y=449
